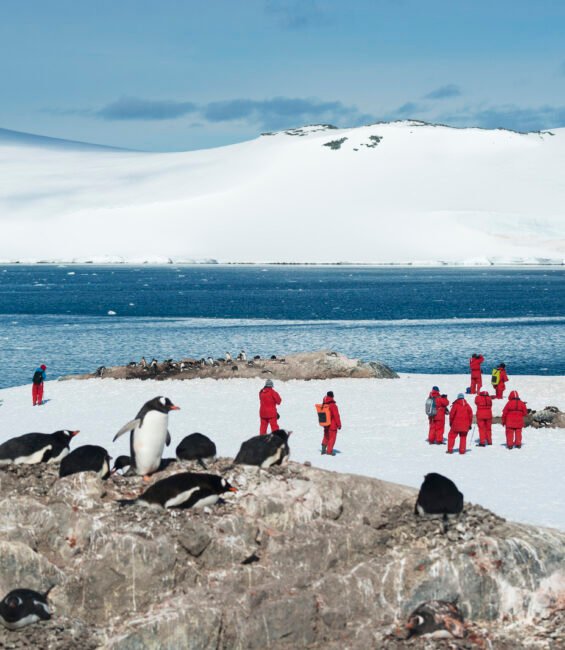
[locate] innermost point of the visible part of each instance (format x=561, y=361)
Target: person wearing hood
x=476, y=375
x=513, y=419
x=483, y=402
x=39, y=377
x=330, y=432
x=461, y=420
x=503, y=378
x=269, y=399
x=437, y=421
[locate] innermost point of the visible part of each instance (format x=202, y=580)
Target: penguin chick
x=184, y=490
x=33, y=448
x=23, y=607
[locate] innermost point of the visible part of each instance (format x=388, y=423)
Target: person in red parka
x=513, y=419
x=437, y=421
x=330, y=432
x=476, y=375
x=483, y=402
x=461, y=420
x=501, y=386
x=269, y=399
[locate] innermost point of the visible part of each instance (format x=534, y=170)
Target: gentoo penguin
x=228, y=357
x=198, y=447
x=438, y=496
x=121, y=463
x=32, y=448
x=438, y=618
x=22, y=607
x=148, y=434
x=265, y=451
x=88, y=458
x=185, y=490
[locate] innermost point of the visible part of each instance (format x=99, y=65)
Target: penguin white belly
x=22, y=622
x=56, y=459
x=149, y=442
x=34, y=458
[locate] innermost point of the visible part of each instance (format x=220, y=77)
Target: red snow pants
x=37, y=393
x=476, y=383
x=437, y=428
x=513, y=437
x=462, y=441
x=485, y=430
x=266, y=422
x=329, y=439
x=499, y=390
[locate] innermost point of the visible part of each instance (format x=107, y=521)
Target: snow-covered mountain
x=396, y=192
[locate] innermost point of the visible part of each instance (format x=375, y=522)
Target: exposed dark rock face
x=306, y=365
x=299, y=557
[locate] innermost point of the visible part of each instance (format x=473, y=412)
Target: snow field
x=384, y=431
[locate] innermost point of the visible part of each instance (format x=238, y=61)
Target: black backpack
x=37, y=377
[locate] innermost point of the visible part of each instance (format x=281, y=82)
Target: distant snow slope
x=384, y=431
x=395, y=192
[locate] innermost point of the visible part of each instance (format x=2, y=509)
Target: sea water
x=76, y=318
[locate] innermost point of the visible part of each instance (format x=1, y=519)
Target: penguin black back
x=196, y=446
x=32, y=448
x=438, y=496
x=23, y=607
x=88, y=458
x=184, y=490
x=264, y=451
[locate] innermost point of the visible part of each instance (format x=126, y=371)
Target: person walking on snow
x=483, y=402
x=502, y=379
x=461, y=420
x=39, y=377
x=437, y=421
x=476, y=375
x=513, y=419
x=330, y=432
x=269, y=399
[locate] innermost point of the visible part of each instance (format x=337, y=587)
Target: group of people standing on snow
x=269, y=400
x=461, y=413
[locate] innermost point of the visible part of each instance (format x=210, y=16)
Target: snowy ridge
x=393, y=193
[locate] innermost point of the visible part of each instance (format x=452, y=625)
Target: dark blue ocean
x=415, y=320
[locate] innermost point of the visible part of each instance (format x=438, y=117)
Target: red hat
x=43, y=366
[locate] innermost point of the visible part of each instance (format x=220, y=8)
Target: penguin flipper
x=130, y=426
x=168, y=440
x=201, y=463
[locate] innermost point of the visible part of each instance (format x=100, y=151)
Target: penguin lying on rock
x=23, y=607
x=196, y=446
x=33, y=448
x=88, y=458
x=438, y=496
x=438, y=618
x=185, y=490
x=265, y=451
x=149, y=433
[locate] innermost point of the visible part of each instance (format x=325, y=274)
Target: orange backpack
x=324, y=415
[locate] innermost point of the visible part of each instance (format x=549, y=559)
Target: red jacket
x=475, y=365
x=269, y=399
x=503, y=377
x=461, y=416
x=335, y=422
x=514, y=412
x=484, y=405
x=441, y=404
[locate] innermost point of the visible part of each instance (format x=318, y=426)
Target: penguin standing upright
x=184, y=490
x=197, y=447
x=22, y=607
x=149, y=433
x=88, y=458
x=265, y=451
x=33, y=448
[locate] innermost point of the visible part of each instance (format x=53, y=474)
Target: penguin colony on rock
x=149, y=434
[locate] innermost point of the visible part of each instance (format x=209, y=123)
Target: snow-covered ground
x=398, y=192
x=384, y=430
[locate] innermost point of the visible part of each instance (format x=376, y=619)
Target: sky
x=172, y=75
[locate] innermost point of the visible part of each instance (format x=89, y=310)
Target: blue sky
x=174, y=75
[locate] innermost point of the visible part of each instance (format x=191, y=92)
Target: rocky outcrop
x=299, y=557
x=307, y=365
